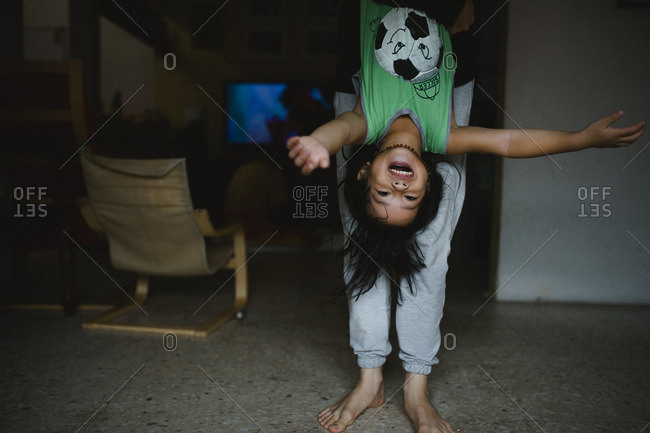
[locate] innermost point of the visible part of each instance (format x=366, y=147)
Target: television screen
x=267, y=114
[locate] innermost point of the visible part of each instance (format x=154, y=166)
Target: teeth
x=401, y=172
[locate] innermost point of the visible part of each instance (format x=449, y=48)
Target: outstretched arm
x=314, y=150
x=528, y=143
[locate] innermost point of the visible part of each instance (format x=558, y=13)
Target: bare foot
x=368, y=393
x=419, y=408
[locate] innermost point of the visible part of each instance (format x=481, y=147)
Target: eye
x=425, y=51
x=382, y=193
x=410, y=198
x=398, y=47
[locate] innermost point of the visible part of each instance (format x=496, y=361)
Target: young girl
x=395, y=195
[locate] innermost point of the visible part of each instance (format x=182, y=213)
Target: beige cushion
x=146, y=210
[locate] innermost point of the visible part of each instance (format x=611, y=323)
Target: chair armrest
x=88, y=214
x=207, y=229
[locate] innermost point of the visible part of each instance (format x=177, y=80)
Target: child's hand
x=601, y=133
x=308, y=153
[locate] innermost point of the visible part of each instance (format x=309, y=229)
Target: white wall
x=568, y=63
x=46, y=29
x=126, y=63
x=50, y=13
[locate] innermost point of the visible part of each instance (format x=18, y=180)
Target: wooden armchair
x=144, y=208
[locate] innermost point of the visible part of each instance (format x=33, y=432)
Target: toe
x=325, y=421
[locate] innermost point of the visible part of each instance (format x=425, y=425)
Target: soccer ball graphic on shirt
x=407, y=45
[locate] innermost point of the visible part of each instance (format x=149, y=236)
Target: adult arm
x=464, y=20
x=528, y=143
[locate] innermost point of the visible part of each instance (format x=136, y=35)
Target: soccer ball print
x=407, y=44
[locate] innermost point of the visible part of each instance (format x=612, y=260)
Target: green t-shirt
x=407, y=68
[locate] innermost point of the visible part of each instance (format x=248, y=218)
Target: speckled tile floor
x=509, y=368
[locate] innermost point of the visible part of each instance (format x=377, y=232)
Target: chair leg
x=104, y=321
x=238, y=265
x=141, y=290
x=241, y=273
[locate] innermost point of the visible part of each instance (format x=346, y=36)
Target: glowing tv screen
x=267, y=114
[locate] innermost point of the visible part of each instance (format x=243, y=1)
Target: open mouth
x=400, y=169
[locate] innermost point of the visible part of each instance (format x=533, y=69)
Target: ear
x=363, y=171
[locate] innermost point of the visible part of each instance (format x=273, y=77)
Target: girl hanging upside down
x=402, y=199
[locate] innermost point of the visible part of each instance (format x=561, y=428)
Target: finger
x=295, y=151
x=631, y=132
x=614, y=117
x=301, y=159
x=307, y=169
x=638, y=130
x=300, y=150
x=324, y=162
x=293, y=141
x=629, y=139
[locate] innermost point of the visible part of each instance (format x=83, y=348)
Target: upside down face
x=397, y=181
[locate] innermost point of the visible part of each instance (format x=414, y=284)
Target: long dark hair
x=373, y=247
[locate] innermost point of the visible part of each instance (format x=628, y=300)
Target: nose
x=400, y=185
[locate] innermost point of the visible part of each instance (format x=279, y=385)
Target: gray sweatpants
x=417, y=318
